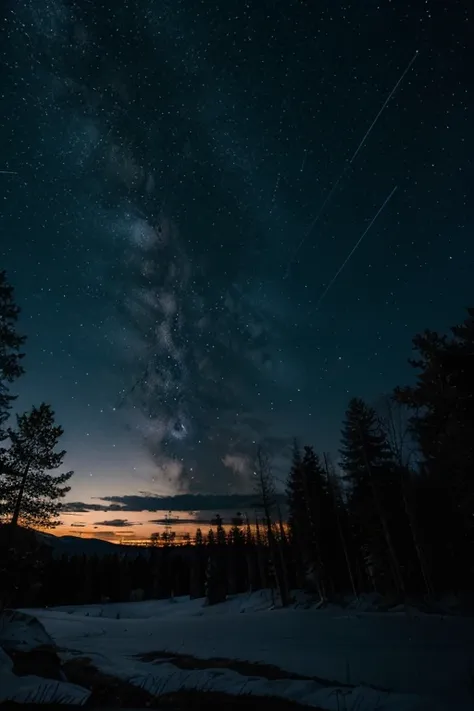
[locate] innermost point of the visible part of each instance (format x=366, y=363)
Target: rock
x=20, y=631
x=42, y=661
x=31, y=690
x=29, y=646
x=30, y=668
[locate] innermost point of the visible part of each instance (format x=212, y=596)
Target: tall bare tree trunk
x=260, y=561
x=339, y=527
x=396, y=570
x=19, y=498
x=282, y=547
x=420, y=553
x=316, y=561
x=265, y=491
x=397, y=431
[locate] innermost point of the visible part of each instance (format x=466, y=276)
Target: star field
x=164, y=169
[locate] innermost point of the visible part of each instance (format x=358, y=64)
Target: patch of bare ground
x=107, y=692
x=260, y=669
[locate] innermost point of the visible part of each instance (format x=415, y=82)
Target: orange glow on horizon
x=135, y=527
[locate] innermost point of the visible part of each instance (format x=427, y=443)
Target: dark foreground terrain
x=110, y=693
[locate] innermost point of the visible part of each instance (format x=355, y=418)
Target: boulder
x=30, y=669
x=29, y=646
x=21, y=631
x=42, y=661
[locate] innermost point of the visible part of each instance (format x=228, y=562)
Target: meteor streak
x=348, y=165
x=354, y=248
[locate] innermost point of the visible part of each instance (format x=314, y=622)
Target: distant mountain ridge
x=69, y=545
x=75, y=545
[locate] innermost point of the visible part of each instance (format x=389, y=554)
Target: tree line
x=396, y=514
x=210, y=567
x=399, y=519
x=393, y=514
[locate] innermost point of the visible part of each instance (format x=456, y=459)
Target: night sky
x=167, y=161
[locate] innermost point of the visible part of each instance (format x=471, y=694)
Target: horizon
x=216, y=244
x=122, y=522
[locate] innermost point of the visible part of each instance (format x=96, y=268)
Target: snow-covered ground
x=425, y=661
x=20, y=633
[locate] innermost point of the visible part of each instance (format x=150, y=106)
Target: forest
x=393, y=514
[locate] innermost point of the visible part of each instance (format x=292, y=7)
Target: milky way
x=160, y=163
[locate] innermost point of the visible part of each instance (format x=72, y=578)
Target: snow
x=34, y=689
x=167, y=678
x=418, y=658
x=23, y=632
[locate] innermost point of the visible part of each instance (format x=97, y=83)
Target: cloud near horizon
x=181, y=502
x=181, y=521
x=117, y=523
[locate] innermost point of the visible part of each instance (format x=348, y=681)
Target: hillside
x=65, y=545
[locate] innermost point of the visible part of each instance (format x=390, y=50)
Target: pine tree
x=312, y=527
x=10, y=348
x=196, y=570
x=249, y=537
x=442, y=403
x=368, y=467
x=252, y=557
x=168, y=536
x=216, y=583
x=261, y=557
x=221, y=538
x=319, y=522
x=32, y=494
x=339, y=513
x=431, y=399
x=198, y=540
x=237, y=520
x=155, y=539
x=296, y=515
x=219, y=556
x=211, y=584
x=298, y=521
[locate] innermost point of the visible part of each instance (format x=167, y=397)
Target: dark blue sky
x=168, y=159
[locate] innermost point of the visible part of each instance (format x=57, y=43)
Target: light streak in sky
x=333, y=280
x=348, y=165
